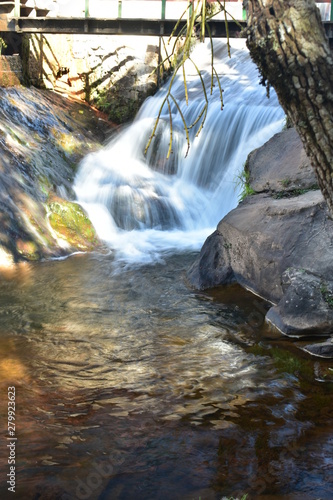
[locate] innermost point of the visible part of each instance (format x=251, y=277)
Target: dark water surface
x=131, y=386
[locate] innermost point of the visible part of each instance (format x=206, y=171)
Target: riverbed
x=129, y=385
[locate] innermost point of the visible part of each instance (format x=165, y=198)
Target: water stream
x=129, y=385
x=144, y=206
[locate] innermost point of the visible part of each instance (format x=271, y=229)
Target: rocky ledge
x=278, y=243
x=43, y=136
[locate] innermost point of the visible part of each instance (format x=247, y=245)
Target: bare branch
x=170, y=119
x=198, y=17
x=184, y=122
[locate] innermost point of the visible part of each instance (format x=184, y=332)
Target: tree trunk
x=287, y=41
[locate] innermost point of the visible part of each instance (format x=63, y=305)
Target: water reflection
x=131, y=386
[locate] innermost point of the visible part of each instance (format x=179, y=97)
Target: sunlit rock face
x=42, y=138
x=114, y=73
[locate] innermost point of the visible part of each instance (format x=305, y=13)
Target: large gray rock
x=256, y=242
x=281, y=165
x=281, y=248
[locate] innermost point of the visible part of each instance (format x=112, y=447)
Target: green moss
x=44, y=184
x=3, y=45
x=285, y=182
x=294, y=192
x=66, y=142
x=327, y=295
x=118, y=109
x=71, y=223
x=243, y=181
x=25, y=59
x=285, y=361
x=258, y=350
x=28, y=249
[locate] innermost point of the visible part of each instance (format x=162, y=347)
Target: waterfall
x=142, y=205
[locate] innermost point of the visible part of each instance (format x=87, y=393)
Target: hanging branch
x=155, y=126
x=178, y=22
x=203, y=20
x=161, y=108
x=214, y=72
x=222, y=8
x=167, y=55
x=198, y=117
x=205, y=94
x=199, y=17
x=184, y=122
x=211, y=58
x=227, y=30
x=185, y=85
x=170, y=120
x=220, y=88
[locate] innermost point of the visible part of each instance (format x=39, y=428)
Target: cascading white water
x=143, y=206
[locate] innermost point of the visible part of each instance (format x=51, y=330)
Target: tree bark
x=287, y=41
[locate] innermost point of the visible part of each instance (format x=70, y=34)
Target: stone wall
x=112, y=72
x=10, y=71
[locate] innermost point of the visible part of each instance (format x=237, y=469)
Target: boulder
x=260, y=239
x=213, y=266
x=279, y=247
x=281, y=165
x=306, y=306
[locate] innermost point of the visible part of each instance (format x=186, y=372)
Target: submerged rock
x=323, y=349
x=280, y=247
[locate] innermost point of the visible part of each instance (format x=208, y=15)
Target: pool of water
x=129, y=385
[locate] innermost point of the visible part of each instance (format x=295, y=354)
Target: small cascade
x=144, y=205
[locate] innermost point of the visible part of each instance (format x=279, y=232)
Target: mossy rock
x=28, y=249
x=71, y=223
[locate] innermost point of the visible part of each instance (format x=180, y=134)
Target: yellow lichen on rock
x=70, y=223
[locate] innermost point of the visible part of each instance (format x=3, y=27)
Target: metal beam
x=152, y=27
x=145, y=27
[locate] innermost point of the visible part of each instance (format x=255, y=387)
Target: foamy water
x=144, y=206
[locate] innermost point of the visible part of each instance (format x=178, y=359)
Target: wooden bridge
x=120, y=17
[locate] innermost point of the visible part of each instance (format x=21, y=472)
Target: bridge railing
x=110, y=9
x=129, y=9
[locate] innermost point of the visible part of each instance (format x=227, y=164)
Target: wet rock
x=71, y=224
x=213, y=266
x=322, y=350
x=281, y=165
x=279, y=247
x=43, y=136
x=306, y=306
x=262, y=238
